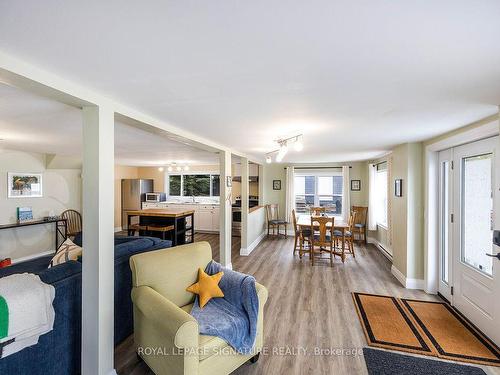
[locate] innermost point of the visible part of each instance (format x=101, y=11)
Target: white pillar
x=244, y=205
x=98, y=242
x=225, y=209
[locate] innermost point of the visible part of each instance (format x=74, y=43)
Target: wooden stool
x=161, y=228
x=135, y=228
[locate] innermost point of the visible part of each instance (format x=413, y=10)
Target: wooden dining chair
x=360, y=227
x=349, y=235
x=317, y=211
x=273, y=219
x=73, y=222
x=302, y=236
x=322, y=238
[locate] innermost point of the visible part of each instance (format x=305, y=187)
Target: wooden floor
x=309, y=310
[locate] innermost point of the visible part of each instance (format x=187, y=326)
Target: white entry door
x=475, y=272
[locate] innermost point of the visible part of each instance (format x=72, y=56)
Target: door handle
x=494, y=256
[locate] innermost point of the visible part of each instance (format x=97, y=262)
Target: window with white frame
x=381, y=177
x=319, y=188
x=193, y=185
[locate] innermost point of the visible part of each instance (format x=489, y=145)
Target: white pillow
x=67, y=251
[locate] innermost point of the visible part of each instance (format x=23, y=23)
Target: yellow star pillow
x=207, y=287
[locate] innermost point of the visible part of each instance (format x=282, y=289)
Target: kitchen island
x=181, y=219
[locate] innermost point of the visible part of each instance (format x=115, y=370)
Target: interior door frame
x=446, y=217
x=485, y=128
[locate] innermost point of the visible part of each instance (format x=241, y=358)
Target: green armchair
x=166, y=336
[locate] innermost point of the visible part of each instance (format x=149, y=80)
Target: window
x=174, y=183
x=197, y=185
x=381, y=194
x=323, y=189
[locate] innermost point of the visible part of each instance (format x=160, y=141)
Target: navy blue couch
x=59, y=351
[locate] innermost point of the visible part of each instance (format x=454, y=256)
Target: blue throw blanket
x=234, y=317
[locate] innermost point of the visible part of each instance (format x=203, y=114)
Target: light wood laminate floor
x=309, y=310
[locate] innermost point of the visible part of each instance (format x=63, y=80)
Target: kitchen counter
x=255, y=209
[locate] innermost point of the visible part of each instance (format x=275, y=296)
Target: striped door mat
x=423, y=327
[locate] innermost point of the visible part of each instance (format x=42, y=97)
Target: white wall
x=61, y=190
x=359, y=171
x=256, y=224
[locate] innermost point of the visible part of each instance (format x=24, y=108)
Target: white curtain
x=372, y=220
x=346, y=196
x=290, y=193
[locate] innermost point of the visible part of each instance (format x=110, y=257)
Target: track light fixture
x=296, y=141
x=174, y=166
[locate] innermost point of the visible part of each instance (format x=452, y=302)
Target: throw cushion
x=67, y=251
x=207, y=287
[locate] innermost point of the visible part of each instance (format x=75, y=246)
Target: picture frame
x=276, y=184
x=398, y=187
x=24, y=185
x=355, y=185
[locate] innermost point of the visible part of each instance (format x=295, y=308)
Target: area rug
x=423, y=327
x=380, y=362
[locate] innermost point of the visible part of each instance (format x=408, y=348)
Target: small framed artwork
x=398, y=187
x=24, y=185
x=276, y=184
x=229, y=181
x=356, y=185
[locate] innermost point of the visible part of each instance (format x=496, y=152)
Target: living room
x=315, y=188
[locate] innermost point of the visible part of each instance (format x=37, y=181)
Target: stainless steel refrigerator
x=133, y=194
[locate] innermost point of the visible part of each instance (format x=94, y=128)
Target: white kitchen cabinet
x=207, y=218
x=215, y=218
x=203, y=219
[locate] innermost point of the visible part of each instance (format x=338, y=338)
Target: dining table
x=304, y=222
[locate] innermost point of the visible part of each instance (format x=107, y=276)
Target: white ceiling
x=356, y=77
x=32, y=123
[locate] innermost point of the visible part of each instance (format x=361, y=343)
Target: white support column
x=244, y=205
x=225, y=209
x=262, y=198
x=98, y=242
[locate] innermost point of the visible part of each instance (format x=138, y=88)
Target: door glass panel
x=445, y=168
x=477, y=211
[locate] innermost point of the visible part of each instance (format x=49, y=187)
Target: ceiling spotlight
x=186, y=167
x=161, y=169
x=282, y=152
x=170, y=169
x=269, y=159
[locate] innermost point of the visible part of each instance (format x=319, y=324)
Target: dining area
x=320, y=236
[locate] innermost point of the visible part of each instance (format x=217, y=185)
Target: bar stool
x=135, y=228
x=161, y=228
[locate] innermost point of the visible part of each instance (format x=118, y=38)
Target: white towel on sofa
x=31, y=313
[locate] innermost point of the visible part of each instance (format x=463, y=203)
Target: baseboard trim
x=253, y=245
x=406, y=282
x=379, y=246
x=118, y=229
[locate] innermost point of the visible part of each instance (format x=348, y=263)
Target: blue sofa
x=59, y=351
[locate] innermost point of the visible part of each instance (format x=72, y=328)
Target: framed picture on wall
x=24, y=185
x=276, y=184
x=398, y=188
x=356, y=185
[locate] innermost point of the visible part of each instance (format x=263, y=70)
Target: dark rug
x=380, y=362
